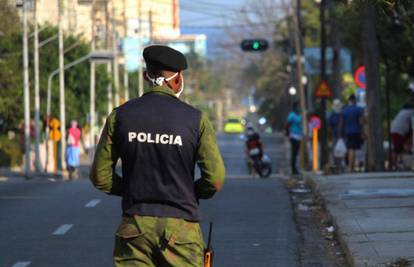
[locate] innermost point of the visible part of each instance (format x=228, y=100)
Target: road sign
x=55, y=135
x=323, y=90
x=315, y=122
x=54, y=123
x=360, y=78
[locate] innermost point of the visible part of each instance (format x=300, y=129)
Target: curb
x=31, y=176
x=315, y=188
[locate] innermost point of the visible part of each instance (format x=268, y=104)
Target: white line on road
x=93, y=203
x=23, y=197
x=22, y=264
x=62, y=229
x=247, y=176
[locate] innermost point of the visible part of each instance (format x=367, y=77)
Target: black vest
x=156, y=137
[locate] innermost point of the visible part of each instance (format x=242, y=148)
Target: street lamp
x=304, y=80
x=292, y=91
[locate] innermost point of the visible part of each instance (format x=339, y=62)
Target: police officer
x=159, y=139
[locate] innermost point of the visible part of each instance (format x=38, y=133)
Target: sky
x=208, y=17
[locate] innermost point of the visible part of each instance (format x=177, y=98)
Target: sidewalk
x=17, y=172
x=373, y=214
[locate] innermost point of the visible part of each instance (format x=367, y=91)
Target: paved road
x=70, y=224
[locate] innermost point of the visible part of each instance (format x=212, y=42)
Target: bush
x=10, y=152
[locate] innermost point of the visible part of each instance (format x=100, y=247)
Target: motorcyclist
x=254, y=147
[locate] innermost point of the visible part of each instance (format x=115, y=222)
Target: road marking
x=93, y=203
x=22, y=264
x=22, y=197
x=63, y=229
x=247, y=176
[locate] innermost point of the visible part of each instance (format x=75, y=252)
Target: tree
x=11, y=81
x=385, y=45
x=76, y=78
x=372, y=67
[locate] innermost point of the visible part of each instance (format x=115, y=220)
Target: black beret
x=164, y=58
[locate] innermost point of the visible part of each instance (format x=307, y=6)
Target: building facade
x=131, y=18
x=137, y=23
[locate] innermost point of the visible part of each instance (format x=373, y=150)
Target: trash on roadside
x=303, y=207
x=300, y=190
x=291, y=183
x=308, y=201
x=301, y=182
x=330, y=229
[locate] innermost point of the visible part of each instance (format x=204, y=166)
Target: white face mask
x=182, y=87
x=160, y=80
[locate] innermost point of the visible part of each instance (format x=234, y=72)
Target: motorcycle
x=261, y=163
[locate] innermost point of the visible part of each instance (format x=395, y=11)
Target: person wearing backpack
x=295, y=133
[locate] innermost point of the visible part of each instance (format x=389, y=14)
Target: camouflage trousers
x=145, y=241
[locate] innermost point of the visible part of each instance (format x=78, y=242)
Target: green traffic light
x=254, y=45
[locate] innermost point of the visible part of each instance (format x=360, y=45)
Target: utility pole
x=140, y=77
x=26, y=92
x=151, y=33
x=299, y=73
x=36, y=84
x=299, y=67
x=62, y=88
x=336, y=47
x=92, y=87
x=115, y=51
x=126, y=83
x=108, y=66
x=324, y=129
x=126, y=76
x=219, y=114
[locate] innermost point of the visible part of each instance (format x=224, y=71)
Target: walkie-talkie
x=208, y=252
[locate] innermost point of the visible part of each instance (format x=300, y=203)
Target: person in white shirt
x=401, y=132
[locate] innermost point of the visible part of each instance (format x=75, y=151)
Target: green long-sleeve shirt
x=208, y=158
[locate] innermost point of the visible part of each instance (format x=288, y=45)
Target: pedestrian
x=72, y=149
x=351, y=124
x=334, y=125
x=159, y=140
x=401, y=132
x=295, y=133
